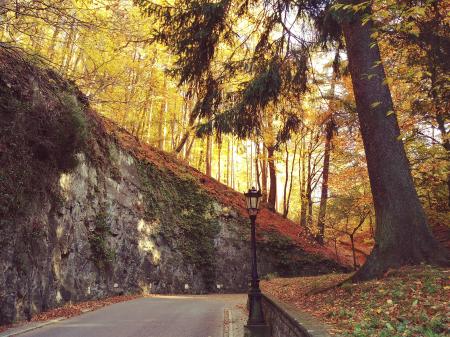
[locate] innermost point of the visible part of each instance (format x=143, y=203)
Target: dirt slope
x=266, y=220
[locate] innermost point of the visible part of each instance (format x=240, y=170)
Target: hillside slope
x=86, y=211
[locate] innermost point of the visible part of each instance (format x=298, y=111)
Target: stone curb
x=26, y=328
x=309, y=325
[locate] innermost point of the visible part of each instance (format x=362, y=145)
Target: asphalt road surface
x=159, y=316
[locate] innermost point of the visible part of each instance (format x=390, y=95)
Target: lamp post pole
x=256, y=316
x=256, y=325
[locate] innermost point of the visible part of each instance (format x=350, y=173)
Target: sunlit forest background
x=106, y=48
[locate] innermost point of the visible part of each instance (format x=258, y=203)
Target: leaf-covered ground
x=412, y=301
x=70, y=310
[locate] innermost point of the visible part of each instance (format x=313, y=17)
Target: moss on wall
x=190, y=225
x=102, y=254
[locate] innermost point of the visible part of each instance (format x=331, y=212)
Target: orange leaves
x=70, y=310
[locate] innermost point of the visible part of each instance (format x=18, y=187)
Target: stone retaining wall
x=285, y=321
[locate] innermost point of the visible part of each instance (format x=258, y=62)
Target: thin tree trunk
x=264, y=174
x=219, y=162
x=271, y=202
x=352, y=240
x=162, y=113
x=258, y=173
x=233, y=185
x=208, y=155
x=329, y=131
x=189, y=149
x=309, y=189
x=228, y=162
x=324, y=190
x=291, y=179
x=51, y=47
x=303, y=203
x=286, y=181
x=402, y=234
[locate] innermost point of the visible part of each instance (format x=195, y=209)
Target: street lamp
x=256, y=325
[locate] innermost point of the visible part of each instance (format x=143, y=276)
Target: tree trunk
x=228, y=162
x=402, y=234
x=256, y=161
x=271, y=201
x=264, y=175
x=187, y=155
x=208, y=155
x=352, y=240
x=182, y=142
x=325, y=173
x=233, y=186
x=219, y=162
x=329, y=131
x=302, y=164
x=291, y=181
x=309, y=192
x=286, y=180
x=162, y=113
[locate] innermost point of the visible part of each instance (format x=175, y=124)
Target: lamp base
x=257, y=330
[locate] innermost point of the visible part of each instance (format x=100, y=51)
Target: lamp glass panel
x=249, y=205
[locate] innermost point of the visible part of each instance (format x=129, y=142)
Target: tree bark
x=309, y=189
x=264, y=175
x=291, y=181
x=228, y=162
x=256, y=161
x=286, y=166
x=208, y=155
x=271, y=201
x=219, y=162
x=302, y=164
x=402, y=234
x=162, y=113
x=329, y=129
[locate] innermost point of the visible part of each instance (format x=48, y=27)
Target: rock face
x=124, y=225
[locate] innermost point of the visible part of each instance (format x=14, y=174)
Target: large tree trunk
x=402, y=235
x=272, y=199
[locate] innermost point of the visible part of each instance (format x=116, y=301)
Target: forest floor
x=410, y=302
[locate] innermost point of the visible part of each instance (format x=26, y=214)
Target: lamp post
x=256, y=325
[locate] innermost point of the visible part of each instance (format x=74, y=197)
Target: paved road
x=159, y=316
